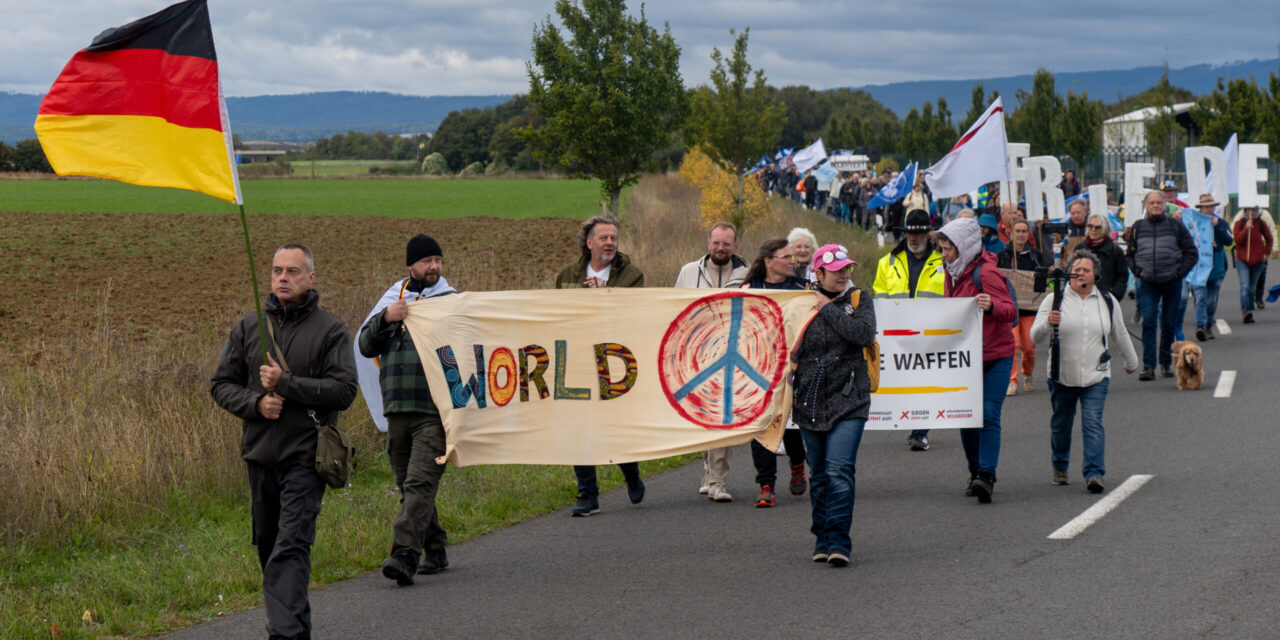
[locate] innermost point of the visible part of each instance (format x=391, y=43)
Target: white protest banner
x=1044, y=198
x=1009, y=189
x=598, y=376
x=809, y=156
x=1198, y=177
x=931, y=364
x=1135, y=188
x=1251, y=174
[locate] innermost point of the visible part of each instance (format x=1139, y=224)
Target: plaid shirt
x=404, y=384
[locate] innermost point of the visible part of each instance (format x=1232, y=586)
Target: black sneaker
x=1200, y=334
x=1248, y=317
x=982, y=488
x=400, y=567
x=918, y=442
x=1166, y=371
x=838, y=559
x=433, y=562
x=585, y=507
x=1148, y=374
x=635, y=492
x=968, y=489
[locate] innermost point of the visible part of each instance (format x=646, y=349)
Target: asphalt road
x=1192, y=554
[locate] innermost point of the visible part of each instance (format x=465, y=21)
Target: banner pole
x=253, y=280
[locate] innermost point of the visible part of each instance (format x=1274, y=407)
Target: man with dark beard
x=415, y=434
x=721, y=268
x=913, y=269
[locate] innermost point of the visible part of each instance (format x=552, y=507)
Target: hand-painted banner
x=931, y=364
x=597, y=376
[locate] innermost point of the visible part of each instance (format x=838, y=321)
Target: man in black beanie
x=415, y=434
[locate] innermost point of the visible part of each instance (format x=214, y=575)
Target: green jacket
x=622, y=273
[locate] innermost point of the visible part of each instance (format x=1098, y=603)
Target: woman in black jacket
x=832, y=399
x=1114, y=275
x=1019, y=255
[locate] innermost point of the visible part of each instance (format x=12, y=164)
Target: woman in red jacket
x=972, y=273
x=1253, y=245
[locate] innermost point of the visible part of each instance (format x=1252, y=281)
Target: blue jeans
x=1249, y=275
x=831, y=455
x=1206, y=302
x=982, y=446
x=1092, y=399
x=1180, y=314
x=1159, y=303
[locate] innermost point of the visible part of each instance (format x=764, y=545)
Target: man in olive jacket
x=281, y=408
x=601, y=265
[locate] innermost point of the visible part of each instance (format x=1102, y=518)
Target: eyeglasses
x=790, y=257
x=1093, y=226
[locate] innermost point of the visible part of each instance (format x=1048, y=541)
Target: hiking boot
x=1248, y=317
x=838, y=559
x=400, y=567
x=798, y=482
x=918, y=442
x=1094, y=485
x=433, y=562
x=585, y=507
x=635, y=491
x=1148, y=374
x=718, y=493
x=983, y=487
x=1200, y=333
x=1027, y=383
x=1166, y=371
x=1013, y=389
x=766, y=499
x=1059, y=477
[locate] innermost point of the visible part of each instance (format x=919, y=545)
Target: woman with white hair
x=803, y=242
x=972, y=273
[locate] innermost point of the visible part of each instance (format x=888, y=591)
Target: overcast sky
x=469, y=47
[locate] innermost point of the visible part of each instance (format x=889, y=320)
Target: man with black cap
x=913, y=269
x=415, y=434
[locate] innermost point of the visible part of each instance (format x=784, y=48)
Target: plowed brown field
x=143, y=273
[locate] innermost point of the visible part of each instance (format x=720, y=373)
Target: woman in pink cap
x=832, y=399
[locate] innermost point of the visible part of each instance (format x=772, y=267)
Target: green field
x=350, y=168
x=390, y=197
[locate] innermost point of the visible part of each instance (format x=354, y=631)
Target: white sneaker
x=718, y=493
x=704, y=489
x=1027, y=383
x=1013, y=389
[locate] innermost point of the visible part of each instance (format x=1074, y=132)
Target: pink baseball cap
x=832, y=257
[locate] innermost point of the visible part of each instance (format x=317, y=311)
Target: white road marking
x=1223, y=327
x=1100, y=508
x=1225, y=383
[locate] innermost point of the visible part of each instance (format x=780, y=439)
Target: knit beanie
x=421, y=246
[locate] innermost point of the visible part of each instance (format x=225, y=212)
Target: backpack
x=977, y=282
x=872, y=353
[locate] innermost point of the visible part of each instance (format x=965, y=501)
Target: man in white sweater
x=1090, y=326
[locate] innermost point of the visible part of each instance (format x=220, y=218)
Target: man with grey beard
x=912, y=270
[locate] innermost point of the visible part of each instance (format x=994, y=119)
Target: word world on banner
x=618, y=375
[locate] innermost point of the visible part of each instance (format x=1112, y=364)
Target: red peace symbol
x=722, y=357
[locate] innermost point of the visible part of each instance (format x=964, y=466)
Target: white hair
x=801, y=232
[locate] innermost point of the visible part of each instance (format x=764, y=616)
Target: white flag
x=981, y=156
x=810, y=156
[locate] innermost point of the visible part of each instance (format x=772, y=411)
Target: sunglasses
x=1093, y=226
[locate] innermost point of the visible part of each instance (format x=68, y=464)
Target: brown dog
x=1188, y=363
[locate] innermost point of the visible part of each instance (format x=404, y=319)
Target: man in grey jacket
x=1161, y=253
x=281, y=403
x=722, y=267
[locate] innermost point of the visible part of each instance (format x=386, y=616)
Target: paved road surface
x=1192, y=554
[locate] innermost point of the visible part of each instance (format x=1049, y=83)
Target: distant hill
x=302, y=117
x=1108, y=86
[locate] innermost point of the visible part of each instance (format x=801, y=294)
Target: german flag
x=142, y=104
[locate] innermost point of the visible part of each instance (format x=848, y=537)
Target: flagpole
x=253, y=279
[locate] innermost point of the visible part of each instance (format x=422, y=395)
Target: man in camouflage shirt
x=415, y=434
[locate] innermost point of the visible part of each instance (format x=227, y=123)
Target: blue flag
x=897, y=189
x=1201, y=228
x=782, y=153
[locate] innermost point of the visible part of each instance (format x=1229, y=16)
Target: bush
x=278, y=169
x=435, y=165
x=497, y=168
x=474, y=169
x=885, y=164
x=393, y=170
